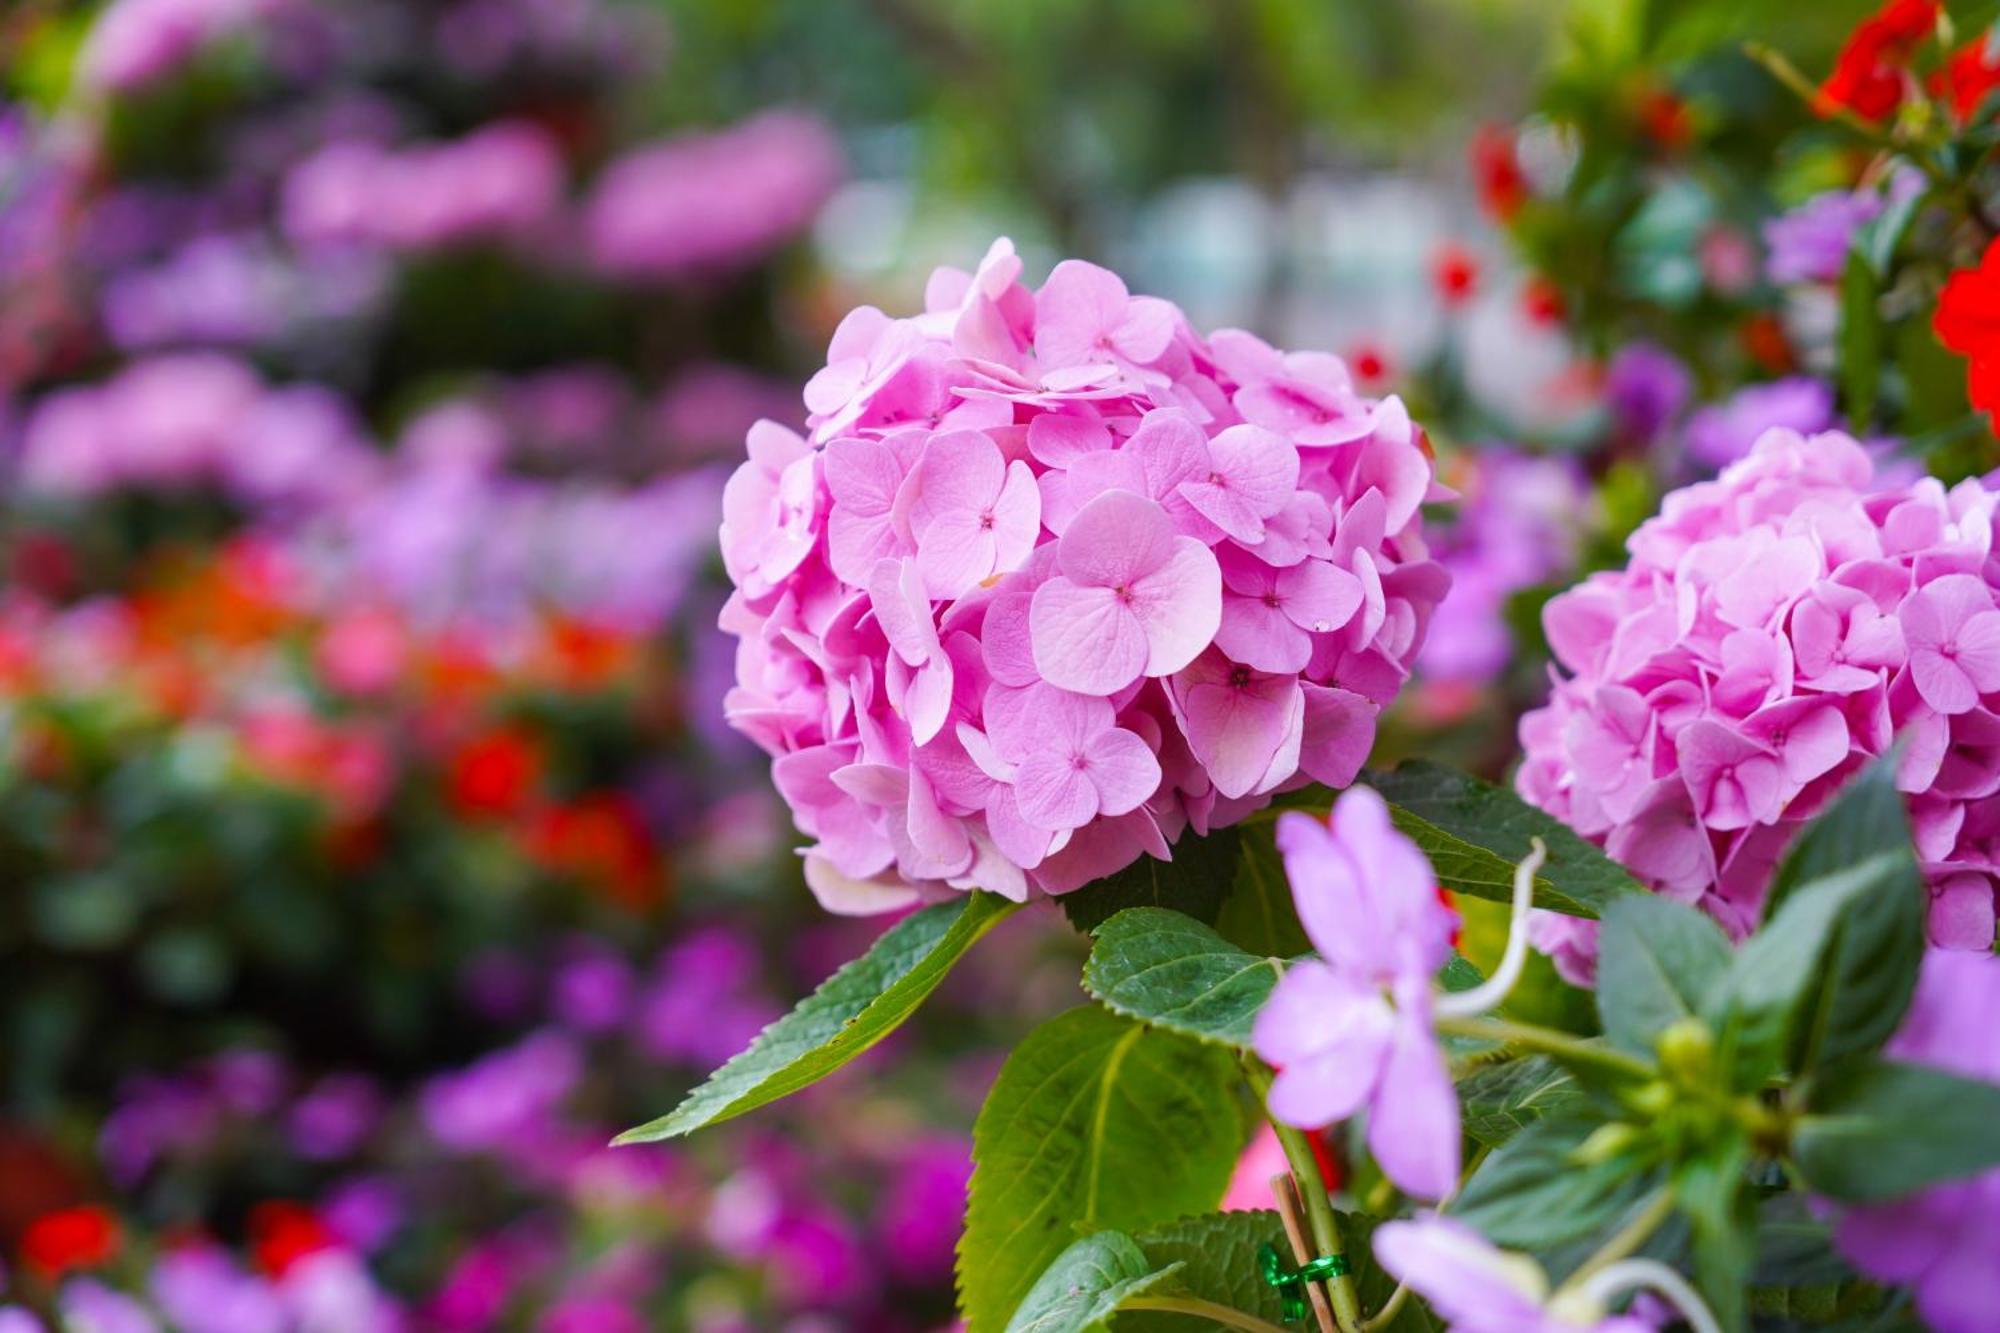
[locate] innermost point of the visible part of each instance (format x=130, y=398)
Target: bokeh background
x=372, y=845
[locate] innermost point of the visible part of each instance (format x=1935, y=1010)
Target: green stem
x=1321, y=1221
x=1194, y=1305
x=1390, y=1309
x=1629, y=1238
x=1547, y=1041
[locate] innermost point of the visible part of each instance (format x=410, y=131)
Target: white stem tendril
x=1633, y=1274
x=1488, y=994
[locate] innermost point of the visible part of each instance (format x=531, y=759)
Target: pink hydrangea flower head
x=1352, y=1029
x=1774, y=630
x=1051, y=579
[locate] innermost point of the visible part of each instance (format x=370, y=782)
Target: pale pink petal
x=1053, y=792
x=1942, y=682
x=1465, y=1278
x=844, y=895
x=1179, y=606
x=1148, y=327
x=1016, y=519
x=1339, y=733
x=1413, y=1126
x=956, y=553
x=959, y=473
x=1237, y=725
x=1086, y=639
x=1259, y=634
x=1117, y=539
x=1318, y=596
x=1021, y=842
x=1124, y=769
x=1075, y=312
x=1979, y=650
x=1059, y=441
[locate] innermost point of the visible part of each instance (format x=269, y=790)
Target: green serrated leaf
x=852, y=1010
x=1194, y=882
x=1165, y=968
x=1532, y=1193
x=1501, y=1100
x=1084, y=1287
x=1096, y=1122
x=1476, y=833
x=1659, y=961
x=1258, y=916
x=1877, y=1129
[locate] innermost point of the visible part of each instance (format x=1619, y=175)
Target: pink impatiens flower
x=1351, y=1030
x=1477, y=1288
x=1131, y=598
x=1052, y=581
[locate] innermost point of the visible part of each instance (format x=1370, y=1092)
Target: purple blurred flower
x=1719, y=434
x=1810, y=243
x=1942, y=1240
x=703, y=1006
x=333, y=1118
x=592, y=990
x=332, y=1290
x=1645, y=386
x=153, y=1118
x=703, y=202
x=1518, y=527
x=200, y=1290
x=503, y=1100
x=592, y=1314
x=814, y=1259
x=88, y=1304
x=708, y=407
x=475, y=1290
x=364, y=1212
x=918, y=1226
x=14, y=1319
x=501, y=183
x=138, y=42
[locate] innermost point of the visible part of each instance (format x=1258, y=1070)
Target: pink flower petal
x=1085, y=639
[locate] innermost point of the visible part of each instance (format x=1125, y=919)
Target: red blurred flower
x=86, y=1236
x=495, y=773
x=1969, y=76
x=1455, y=273
x=283, y=1232
x=1764, y=338
x=1542, y=301
x=1666, y=119
x=1369, y=363
x=1968, y=322
x=1496, y=173
x=1869, y=76
x=601, y=839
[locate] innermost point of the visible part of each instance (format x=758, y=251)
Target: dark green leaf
x=1167, y=969
x=1501, y=1100
x=1832, y=970
x=852, y=1010
x=1860, y=341
x=1532, y=1192
x=1193, y=882
x=1877, y=1129
x=1217, y=1258
x=1876, y=240
x=1083, y=1287
x=1258, y=915
x=1476, y=833
x=1659, y=961
x=1095, y=1122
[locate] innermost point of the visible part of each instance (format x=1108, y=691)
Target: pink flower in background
x=135, y=43
x=1477, y=1288
x=1942, y=1240
x=1051, y=580
x=1351, y=1030
x=706, y=202
x=1774, y=630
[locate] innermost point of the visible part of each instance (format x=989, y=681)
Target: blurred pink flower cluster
x=1054, y=579
x=503, y=182
x=1775, y=629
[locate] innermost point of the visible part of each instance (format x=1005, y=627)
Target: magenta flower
x=1775, y=630
x=1051, y=580
x=1131, y=598
x=1351, y=1030
x=1942, y=1240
